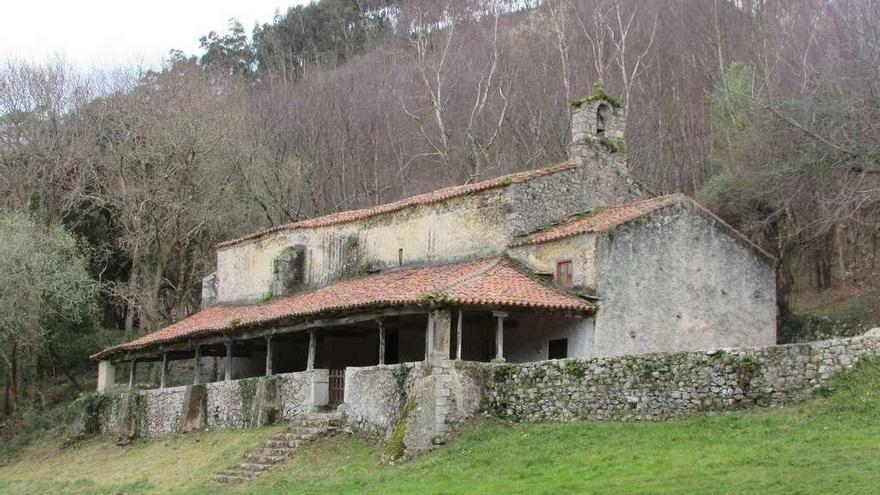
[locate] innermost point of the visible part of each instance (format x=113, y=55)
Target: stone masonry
x=422, y=403
x=660, y=386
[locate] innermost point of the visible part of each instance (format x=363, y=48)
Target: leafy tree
x=230, y=53
x=325, y=33
x=46, y=296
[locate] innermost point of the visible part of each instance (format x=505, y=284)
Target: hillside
x=830, y=444
x=129, y=179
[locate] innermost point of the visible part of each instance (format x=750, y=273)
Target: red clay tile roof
x=600, y=220
x=607, y=218
x=422, y=199
x=487, y=282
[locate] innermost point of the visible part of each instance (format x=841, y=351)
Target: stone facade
x=676, y=280
x=659, y=386
x=529, y=340
x=672, y=280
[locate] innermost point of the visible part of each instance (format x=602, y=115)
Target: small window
x=564, y=274
x=601, y=117
x=557, y=349
x=400, y=257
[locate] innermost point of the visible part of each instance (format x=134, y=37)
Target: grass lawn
x=827, y=445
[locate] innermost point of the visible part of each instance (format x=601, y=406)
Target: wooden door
x=337, y=387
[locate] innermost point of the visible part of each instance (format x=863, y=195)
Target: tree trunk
x=10, y=392
x=7, y=397
x=129, y=320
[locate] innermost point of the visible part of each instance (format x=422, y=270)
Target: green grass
x=832, y=314
x=99, y=466
x=862, y=308
x=830, y=444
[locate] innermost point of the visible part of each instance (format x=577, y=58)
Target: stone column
x=458, y=335
x=319, y=393
x=429, y=336
x=228, y=376
x=269, y=355
x=131, y=371
x=313, y=347
x=197, y=365
x=164, y=370
x=499, y=336
x=106, y=377
x=440, y=333
x=381, y=343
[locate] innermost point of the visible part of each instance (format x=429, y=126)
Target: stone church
x=572, y=260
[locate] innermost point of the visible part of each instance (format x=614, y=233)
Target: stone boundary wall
x=660, y=386
x=232, y=404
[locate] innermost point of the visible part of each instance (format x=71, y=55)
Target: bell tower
x=597, y=125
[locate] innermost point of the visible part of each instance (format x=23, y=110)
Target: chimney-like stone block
x=209, y=290
x=288, y=270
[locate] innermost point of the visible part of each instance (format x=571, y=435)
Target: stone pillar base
x=319, y=389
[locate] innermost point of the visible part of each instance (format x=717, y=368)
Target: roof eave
x=273, y=326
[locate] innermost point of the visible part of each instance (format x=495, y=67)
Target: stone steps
x=280, y=446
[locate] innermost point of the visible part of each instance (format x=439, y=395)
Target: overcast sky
x=111, y=33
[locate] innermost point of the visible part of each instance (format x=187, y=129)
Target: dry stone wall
x=161, y=412
x=659, y=386
x=294, y=391
x=226, y=404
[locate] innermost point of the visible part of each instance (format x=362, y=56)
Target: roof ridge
x=653, y=204
x=429, y=197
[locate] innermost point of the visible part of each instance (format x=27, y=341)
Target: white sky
x=110, y=33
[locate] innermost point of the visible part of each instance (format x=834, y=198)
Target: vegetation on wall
x=248, y=392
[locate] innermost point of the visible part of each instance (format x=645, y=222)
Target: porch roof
x=492, y=282
x=599, y=220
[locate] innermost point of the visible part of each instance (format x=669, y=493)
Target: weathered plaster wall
x=673, y=281
x=460, y=228
x=375, y=395
x=658, y=386
x=528, y=341
x=580, y=250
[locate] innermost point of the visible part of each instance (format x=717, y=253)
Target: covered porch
x=388, y=337
x=488, y=310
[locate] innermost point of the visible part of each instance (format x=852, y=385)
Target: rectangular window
x=557, y=349
x=564, y=274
